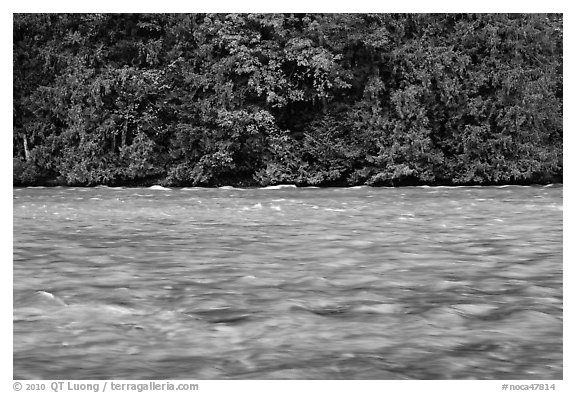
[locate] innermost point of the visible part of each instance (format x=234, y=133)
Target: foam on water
x=278, y=187
x=257, y=206
x=157, y=187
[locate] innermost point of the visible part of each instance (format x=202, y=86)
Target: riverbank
x=27, y=175
x=60, y=182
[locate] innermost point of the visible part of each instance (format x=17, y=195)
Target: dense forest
x=308, y=99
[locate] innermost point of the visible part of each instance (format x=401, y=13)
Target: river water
x=289, y=283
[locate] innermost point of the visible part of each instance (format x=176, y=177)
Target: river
x=288, y=283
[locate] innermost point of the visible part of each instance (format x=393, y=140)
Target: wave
x=40, y=299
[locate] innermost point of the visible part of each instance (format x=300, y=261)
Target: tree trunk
x=124, y=132
x=26, y=151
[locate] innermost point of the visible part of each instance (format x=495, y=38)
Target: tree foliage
x=246, y=99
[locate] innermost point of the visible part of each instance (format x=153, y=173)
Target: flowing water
x=288, y=283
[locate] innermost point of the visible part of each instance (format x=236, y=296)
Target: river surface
x=289, y=283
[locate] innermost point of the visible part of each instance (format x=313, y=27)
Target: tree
x=325, y=99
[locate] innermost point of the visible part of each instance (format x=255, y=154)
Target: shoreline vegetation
x=256, y=100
